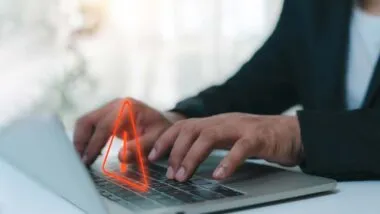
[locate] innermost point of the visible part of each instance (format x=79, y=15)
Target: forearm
x=263, y=85
x=344, y=145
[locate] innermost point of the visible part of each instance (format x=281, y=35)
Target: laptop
x=39, y=147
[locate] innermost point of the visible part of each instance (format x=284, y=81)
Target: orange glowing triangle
x=143, y=184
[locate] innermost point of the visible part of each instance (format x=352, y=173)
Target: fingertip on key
x=152, y=155
x=125, y=157
x=181, y=175
x=170, y=173
x=85, y=159
x=219, y=173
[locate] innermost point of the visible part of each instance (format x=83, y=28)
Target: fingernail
x=219, y=172
x=152, y=154
x=181, y=174
x=170, y=173
x=78, y=149
x=84, y=158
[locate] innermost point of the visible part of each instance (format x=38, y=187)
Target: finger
x=238, y=154
x=198, y=152
x=84, y=129
x=114, y=123
x=102, y=133
x=181, y=146
x=131, y=154
x=85, y=126
x=126, y=119
x=164, y=142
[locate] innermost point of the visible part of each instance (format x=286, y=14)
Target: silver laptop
x=39, y=147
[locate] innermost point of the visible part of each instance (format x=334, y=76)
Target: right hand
x=93, y=130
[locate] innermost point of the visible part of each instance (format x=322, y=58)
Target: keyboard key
x=98, y=179
x=156, y=184
x=157, y=197
x=114, y=198
x=150, y=192
x=191, y=199
x=225, y=191
x=171, y=182
x=113, y=188
x=127, y=195
x=165, y=189
x=104, y=193
x=209, y=186
x=169, y=201
x=186, y=198
x=133, y=176
x=185, y=186
x=158, y=176
x=157, y=168
x=176, y=192
x=206, y=194
x=200, y=181
x=101, y=183
x=132, y=199
x=146, y=204
x=110, y=196
x=122, y=192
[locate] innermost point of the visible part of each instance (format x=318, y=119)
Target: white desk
x=19, y=195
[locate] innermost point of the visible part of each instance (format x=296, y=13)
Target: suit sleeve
x=263, y=85
x=343, y=146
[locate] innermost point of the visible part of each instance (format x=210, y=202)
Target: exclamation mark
x=123, y=166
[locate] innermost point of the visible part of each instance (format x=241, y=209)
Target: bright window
x=81, y=54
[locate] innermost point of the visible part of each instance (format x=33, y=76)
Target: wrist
x=297, y=140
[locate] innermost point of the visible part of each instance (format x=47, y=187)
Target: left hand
x=272, y=138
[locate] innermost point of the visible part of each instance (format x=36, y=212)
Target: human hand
x=273, y=138
x=93, y=130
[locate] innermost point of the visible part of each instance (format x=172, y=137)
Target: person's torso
x=364, y=52
x=327, y=61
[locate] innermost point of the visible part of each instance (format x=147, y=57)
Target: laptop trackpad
x=244, y=172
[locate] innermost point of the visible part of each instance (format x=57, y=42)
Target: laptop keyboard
x=162, y=191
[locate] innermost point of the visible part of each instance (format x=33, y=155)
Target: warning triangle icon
x=142, y=184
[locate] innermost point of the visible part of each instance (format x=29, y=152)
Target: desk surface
x=18, y=194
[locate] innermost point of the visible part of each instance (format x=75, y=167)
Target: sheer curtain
x=158, y=51
x=35, y=58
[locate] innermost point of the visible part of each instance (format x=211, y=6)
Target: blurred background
x=71, y=56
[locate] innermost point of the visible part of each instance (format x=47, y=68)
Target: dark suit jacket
x=304, y=62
